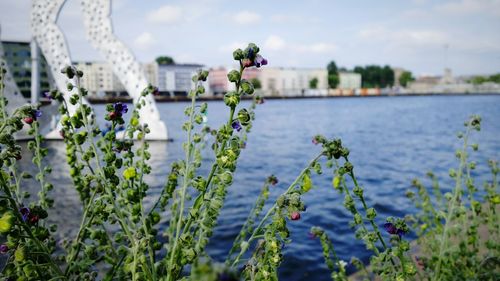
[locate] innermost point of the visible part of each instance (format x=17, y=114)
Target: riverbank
x=161, y=99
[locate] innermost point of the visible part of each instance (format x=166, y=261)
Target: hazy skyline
x=421, y=36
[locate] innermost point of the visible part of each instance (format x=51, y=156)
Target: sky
x=422, y=36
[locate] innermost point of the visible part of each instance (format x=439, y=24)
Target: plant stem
x=185, y=184
x=271, y=210
x=453, y=203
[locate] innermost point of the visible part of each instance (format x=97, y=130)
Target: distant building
x=275, y=81
x=397, y=74
x=349, y=81
x=18, y=58
x=218, y=83
x=151, y=71
x=218, y=80
x=279, y=81
x=447, y=77
x=423, y=84
x=99, y=79
x=176, y=79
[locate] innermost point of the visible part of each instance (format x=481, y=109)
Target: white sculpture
x=98, y=26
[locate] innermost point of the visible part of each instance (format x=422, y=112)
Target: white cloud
x=246, y=17
x=274, y=43
x=417, y=38
x=471, y=7
x=166, y=14
x=285, y=18
x=145, y=40
x=316, y=48
x=232, y=46
x=322, y=48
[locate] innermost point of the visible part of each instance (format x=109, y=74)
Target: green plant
x=120, y=239
x=458, y=235
x=118, y=236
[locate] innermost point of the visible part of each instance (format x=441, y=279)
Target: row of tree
x=483, y=79
x=372, y=76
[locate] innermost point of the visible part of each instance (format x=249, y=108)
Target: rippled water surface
x=391, y=139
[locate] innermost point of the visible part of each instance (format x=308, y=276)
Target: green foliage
x=405, y=78
x=477, y=80
x=162, y=60
x=313, y=83
x=333, y=81
x=120, y=239
x=333, y=75
x=458, y=235
x=332, y=68
x=256, y=83
x=449, y=226
x=374, y=76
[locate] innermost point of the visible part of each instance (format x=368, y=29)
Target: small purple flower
x=120, y=108
x=315, y=141
x=420, y=262
x=392, y=229
x=273, y=179
x=236, y=126
x=25, y=213
x=260, y=61
x=37, y=114
x=4, y=249
x=156, y=92
x=47, y=95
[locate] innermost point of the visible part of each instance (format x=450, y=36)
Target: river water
x=392, y=140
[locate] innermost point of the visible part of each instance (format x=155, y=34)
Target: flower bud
x=295, y=216
x=20, y=254
x=306, y=183
x=202, y=76
x=247, y=87
x=358, y=219
x=231, y=99
x=371, y=213
x=348, y=167
x=4, y=249
x=247, y=62
x=28, y=120
x=200, y=90
x=129, y=173
x=6, y=222
x=244, y=117
x=336, y=182
x=358, y=191
x=227, y=178
x=155, y=218
x=233, y=76
x=238, y=54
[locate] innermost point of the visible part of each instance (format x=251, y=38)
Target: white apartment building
x=349, y=81
x=279, y=81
